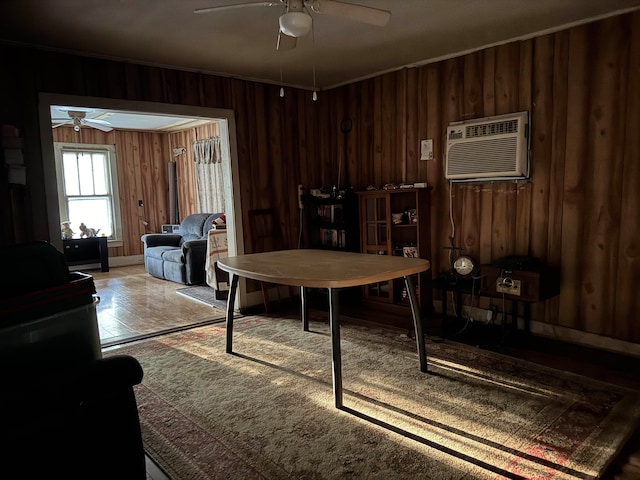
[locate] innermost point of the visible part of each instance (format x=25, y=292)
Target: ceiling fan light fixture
x=295, y=24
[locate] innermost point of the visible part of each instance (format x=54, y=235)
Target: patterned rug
x=203, y=294
x=266, y=412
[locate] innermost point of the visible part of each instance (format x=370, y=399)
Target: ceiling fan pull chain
x=281, y=86
x=313, y=47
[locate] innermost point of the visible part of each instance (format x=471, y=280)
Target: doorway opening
x=146, y=111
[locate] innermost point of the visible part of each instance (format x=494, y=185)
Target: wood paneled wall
x=142, y=163
x=580, y=211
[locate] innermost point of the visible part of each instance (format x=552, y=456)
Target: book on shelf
x=330, y=213
x=331, y=237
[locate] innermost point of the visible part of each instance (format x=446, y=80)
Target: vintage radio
x=521, y=278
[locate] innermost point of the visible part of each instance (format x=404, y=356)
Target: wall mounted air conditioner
x=488, y=149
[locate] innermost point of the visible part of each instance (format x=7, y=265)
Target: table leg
x=231, y=300
x=445, y=314
x=304, y=307
x=417, y=322
x=334, y=322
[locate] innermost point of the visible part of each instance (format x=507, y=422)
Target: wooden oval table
x=333, y=270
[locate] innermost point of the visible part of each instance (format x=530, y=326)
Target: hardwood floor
x=134, y=304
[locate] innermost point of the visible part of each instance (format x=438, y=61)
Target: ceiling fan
x=78, y=119
x=296, y=20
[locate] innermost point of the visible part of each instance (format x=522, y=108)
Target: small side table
x=217, y=248
x=82, y=251
x=448, y=283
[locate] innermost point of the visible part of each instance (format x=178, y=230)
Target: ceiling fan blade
x=359, y=13
x=238, y=5
x=285, y=42
x=60, y=124
x=96, y=120
x=99, y=124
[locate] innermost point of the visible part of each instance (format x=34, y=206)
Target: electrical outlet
x=300, y=196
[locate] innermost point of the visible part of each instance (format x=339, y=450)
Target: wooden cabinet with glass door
x=396, y=222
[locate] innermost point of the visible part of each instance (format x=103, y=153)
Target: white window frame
x=116, y=240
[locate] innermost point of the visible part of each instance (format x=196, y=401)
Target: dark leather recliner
x=77, y=422
x=180, y=257
x=66, y=411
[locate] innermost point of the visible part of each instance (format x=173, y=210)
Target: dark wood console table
x=536, y=286
x=84, y=251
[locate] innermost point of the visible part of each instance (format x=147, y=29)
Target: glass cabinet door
x=375, y=233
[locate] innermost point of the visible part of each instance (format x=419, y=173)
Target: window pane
x=93, y=212
x=99, y=177
x=70, y=167
x=85, y=169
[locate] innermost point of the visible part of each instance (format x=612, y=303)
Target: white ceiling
x=241, y=42
x=126, y=120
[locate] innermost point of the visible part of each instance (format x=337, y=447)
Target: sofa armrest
x=195, y=253
x=195, y=256
x=200, y=244
x=55, y=417
x=161, y=239
x=27, y=387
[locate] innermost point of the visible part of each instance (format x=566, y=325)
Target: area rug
x=267, y=412
x=203, y=294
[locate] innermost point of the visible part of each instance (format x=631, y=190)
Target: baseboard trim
x=586, y=339
x=126, y=261
x=570, y=335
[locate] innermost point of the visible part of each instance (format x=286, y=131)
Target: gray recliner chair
x=180, y=257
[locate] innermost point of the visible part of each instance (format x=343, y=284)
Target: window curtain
x=209, y=181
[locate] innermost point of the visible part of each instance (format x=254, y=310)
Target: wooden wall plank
x=411, y=135
x=542, y=137
x=435, y=176
x=608, y=94
x=449, y=200
x=626, y=300
x=575, y=173
x=556, y=168
x=524, y=190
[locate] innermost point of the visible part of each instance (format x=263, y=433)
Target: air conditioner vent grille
x=488, y=149
x=495, y=128
x=483, y=158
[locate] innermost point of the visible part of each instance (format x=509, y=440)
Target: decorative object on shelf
x=410, y=251
x=65, y=229
x=88, y=231
x=396, y=218
x=404, y=297
x=464, y=266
